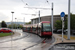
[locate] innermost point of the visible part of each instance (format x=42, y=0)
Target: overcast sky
x=6, y=6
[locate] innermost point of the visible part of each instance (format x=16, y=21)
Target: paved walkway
x=59, y=39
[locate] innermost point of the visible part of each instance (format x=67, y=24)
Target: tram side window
x=38, y=28
x=34, y=29
x=24, y=28
x=28, y=28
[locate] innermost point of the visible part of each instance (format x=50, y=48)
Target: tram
x=42, y=29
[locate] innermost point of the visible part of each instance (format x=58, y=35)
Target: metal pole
x=12, y=28
x=12, y=19
x=68, y=19
x=24, y=20
x=52, y=18
x=15, y=24
x=39, y=16
x=62, y=29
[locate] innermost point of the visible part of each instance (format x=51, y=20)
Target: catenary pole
x=39, y=16
x=24, y=20
x=68, y=19
x=52, y=18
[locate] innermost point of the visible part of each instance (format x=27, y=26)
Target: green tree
x=9, y=26
x=72, y=22
x=28, y=23
x=58, y=24
x=15, y=26
x=20, y=26
x=3, y=24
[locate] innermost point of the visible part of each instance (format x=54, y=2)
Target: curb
x=53, y=43
x=66, y=43
x=56, y=39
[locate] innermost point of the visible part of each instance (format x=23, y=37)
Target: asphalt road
x=26, y=41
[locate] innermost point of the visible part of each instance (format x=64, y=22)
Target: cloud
x=9, y=4
x=3, y=17
x=6, y=6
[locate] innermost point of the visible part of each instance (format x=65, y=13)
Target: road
x=26, y=41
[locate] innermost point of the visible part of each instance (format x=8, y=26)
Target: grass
x=65, y=36
x=4, y=34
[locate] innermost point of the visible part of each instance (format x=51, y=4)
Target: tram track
x=16, y=38
x=30, y=38
x=48, y=41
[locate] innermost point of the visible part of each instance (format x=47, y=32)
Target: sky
x=20, y=10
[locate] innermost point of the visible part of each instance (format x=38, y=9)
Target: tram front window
x=46, y=27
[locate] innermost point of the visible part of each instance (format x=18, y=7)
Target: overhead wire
x=24, y=2
x=47, y=1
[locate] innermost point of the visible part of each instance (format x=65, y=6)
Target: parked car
x=73, y=32
x=55, y=30
x=5, y=30
x=65, y=31
x=59, y=30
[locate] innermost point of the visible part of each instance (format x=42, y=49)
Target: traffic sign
x=62, y=18
x=62, y=14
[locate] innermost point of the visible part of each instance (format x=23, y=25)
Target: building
x=46, y=18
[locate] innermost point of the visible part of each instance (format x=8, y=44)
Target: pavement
x=65, y=45
x=58, y=39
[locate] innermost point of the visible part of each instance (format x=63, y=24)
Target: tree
x=20, y=26
x=28, y=23
x=15, y=26
x=58, y=24
x=72, y=22
x=3, y=24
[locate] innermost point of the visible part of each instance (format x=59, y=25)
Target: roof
x=48, y=16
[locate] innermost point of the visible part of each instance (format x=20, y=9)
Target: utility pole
x=24, y=20
x=68, y=19
x=39, y=16
x=52, y=18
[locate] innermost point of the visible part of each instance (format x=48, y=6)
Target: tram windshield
x=46, y=27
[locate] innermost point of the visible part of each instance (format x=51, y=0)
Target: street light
x=12, y=28
x=12, y=19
